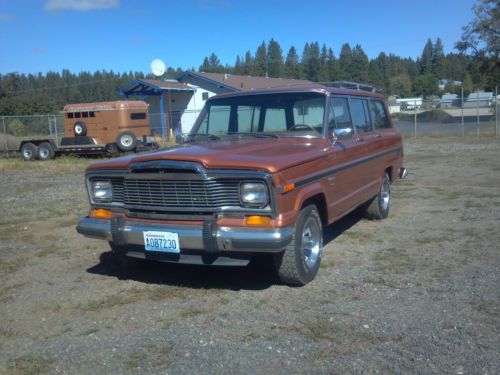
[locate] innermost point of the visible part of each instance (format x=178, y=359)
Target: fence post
x=477, y=109
x=462, y=107
x=496, y=111
x=55, y=128
x=50, y=125
x=5, y=135
x=415, y=115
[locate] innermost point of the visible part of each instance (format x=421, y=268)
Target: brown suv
x=261, y=172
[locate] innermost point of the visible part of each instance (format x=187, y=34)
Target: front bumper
x=207, y=237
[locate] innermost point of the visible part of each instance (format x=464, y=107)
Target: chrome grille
x=186, y=193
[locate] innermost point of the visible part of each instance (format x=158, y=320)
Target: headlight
x=254, y=194
x=102, y=191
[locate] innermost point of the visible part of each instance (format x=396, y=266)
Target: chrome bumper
x=208, y=237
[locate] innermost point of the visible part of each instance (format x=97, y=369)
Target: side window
x=340, y=118
x=138, y=116
x=248, y=118
x=379, y=116
x=360, y=116
x=275, y=120
x=218, y=119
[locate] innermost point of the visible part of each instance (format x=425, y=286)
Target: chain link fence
x=453, y=116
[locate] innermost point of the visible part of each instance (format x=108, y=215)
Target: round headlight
x=102, y=191
x=254, y=194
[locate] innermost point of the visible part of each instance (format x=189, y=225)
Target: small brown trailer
x=96, y=129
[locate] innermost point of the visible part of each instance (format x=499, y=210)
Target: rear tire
x=29, y=151
x=378, y=207
x=299, y=263
x=45, y=151
x=126, y=141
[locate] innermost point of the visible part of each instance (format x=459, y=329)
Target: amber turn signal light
x=100, y=213
x=288, y=188
x=257, y=220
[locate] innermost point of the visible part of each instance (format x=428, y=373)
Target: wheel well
x=388, y=170
x=320, y=202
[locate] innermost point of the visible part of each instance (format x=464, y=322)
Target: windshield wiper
x=256, y=135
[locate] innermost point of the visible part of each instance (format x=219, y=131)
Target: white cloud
x=80, y=5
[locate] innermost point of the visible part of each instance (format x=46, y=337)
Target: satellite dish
x=157, y=67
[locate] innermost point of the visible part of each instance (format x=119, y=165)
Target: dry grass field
x=416, y=293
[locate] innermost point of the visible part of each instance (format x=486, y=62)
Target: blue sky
x=122, y=35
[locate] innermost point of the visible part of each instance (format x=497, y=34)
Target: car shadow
x=258, y=275
x=332, y=231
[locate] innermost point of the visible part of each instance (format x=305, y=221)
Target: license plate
x=166, y=242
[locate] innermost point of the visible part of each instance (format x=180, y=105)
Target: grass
x=30, y=364
x=58, y=166
x=8, y=267
x=393, y=260
x=130, y=296
x=153, y=357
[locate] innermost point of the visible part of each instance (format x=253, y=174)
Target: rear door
x=346, y=183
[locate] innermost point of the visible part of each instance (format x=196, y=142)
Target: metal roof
x=153, y=87
x=243, y=83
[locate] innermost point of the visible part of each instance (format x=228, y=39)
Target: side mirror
x=342, y=133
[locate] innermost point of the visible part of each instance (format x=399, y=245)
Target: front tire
x=45, y=151
x=379, y=206
x=299, y=263
x=29, y=151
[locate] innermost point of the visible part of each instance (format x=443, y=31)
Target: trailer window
x=78, y=114
x=70, y=114
x=138, y=116
x=91, y=114
x=85, y=114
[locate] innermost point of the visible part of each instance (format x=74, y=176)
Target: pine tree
x=359, y=70
x=292, y=64
x=311, y=61
x=274, y=59
x=438, y=60
x=426, y=58
x=260, y=62
x=345, y=62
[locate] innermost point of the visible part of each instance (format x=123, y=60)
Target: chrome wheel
x=78, y=130
x=385, y=194
x=44, y=153
x=126, y=140
x=27, y=153
x=311, y=242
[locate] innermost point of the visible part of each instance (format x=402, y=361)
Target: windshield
x=264, y=115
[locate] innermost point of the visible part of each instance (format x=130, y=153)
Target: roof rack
x=354, y=86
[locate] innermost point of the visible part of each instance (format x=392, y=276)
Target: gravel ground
x=415, y=293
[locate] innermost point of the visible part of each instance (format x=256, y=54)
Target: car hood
x=269, y=154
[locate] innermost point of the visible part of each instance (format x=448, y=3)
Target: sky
x=126, y=35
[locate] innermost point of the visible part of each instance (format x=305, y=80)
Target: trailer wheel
x=29, y=151
x=126, y=141
x=45, y=151
x=80, y=129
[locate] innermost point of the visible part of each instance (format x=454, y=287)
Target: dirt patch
x=417, y=292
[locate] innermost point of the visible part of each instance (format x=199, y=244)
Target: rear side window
x=378, y=114
x=138, y=116
x=360, y=115
x=340, y=118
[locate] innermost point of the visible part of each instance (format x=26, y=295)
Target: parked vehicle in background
x=262, y=172
x=96, y=128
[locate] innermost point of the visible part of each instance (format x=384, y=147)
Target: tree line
x=475, y=64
